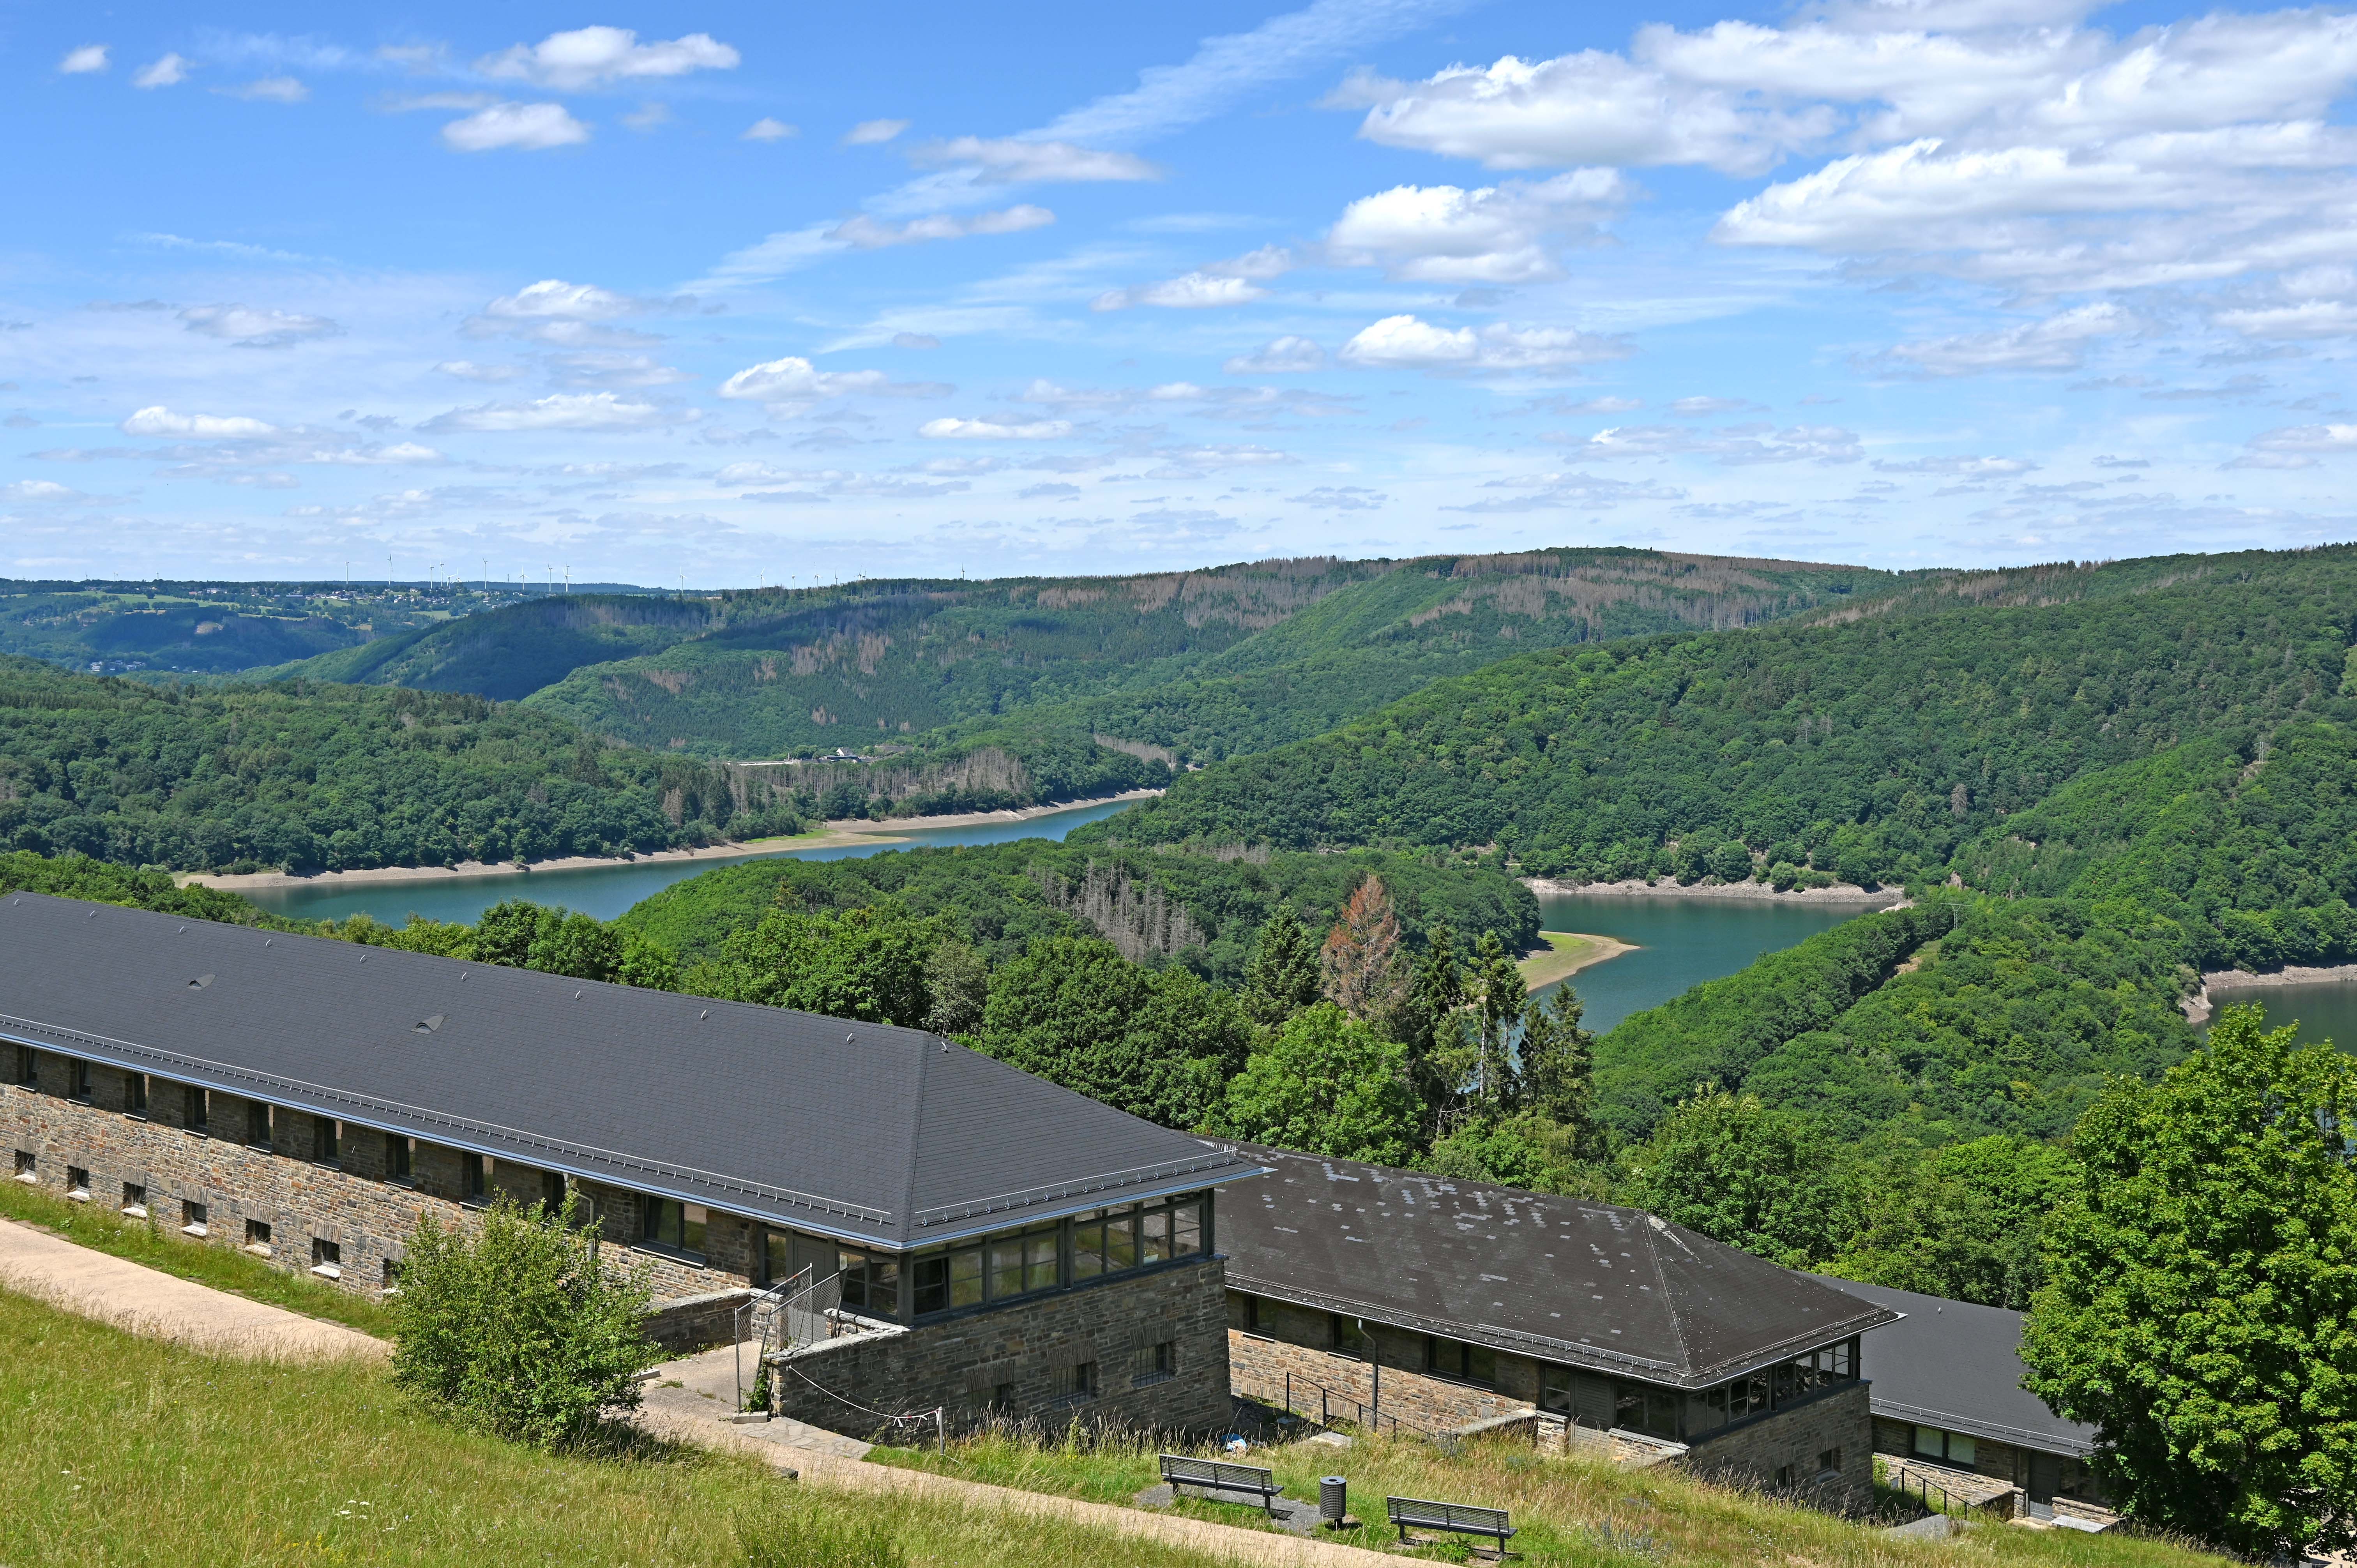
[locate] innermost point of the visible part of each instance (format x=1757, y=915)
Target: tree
x=514, y=1325
x=1762, y=1180
x=1362, y=958
x=867, y=963
x=1558, y=1069
x=957, y=984
x=1326, y=1084
x=1283, y=977
x=576, y=945
x=2202, y=1304
x=505, y=932
x=1499, y=996
x=1073, y=1011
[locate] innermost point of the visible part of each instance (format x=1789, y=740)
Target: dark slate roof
x=1957, y=1366
x=1587, y=1284
x=860, y=1131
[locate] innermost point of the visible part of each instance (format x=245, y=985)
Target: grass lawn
x=130, y=1452
x=159, y=1247
x=1566, y=1510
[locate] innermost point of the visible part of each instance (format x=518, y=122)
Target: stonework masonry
x=251, y=1164
x=1025, y=1361
x=1794, y=1440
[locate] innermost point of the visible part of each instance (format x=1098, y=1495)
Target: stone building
x=984, y=1239
x=1399, y=1296
x=1949, y=1409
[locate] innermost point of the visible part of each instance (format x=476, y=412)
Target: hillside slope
x=1871, y=747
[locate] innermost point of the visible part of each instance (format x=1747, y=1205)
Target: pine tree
x=1499, y=996
x=1283, y=977
x=1558, y=1065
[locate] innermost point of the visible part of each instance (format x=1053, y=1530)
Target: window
x=1783, y=1474
x=135, y=1201
x=1954, y=1447
x=1453, y=1359
x=479, y=1177
x=670, y=1223
x=1705, y=1410
x=392, y=1277
x=1120, y=1240
x=194, y=1111
x=28, y=1168
x=870, y=1285
x=327, y=1258
x=1155, y=1362
x=1084, y=1380
x=1154, y=1244
x=78, y=1184
x=552, y=1191
x=257, y=1123
x=1747, y=1396
x=1650, y=1411
x=1022, y=1262
x=948, y=1279
x=1185, y=1230
x=78, y=1079
x=1252, y=1314
x=192, y=1219
x=1344, y=1335
x=399, y=1152
x=257, y=1235
x=134, y=1093
x=323, y=1145
x=1829, y=1462
x=1089, y=1245
x=1555, y=1390
x=26, y=1065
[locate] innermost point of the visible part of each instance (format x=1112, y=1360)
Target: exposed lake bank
x=856, y=833
x=1840, y=893
x=2201, y=1003
x=1566, y=953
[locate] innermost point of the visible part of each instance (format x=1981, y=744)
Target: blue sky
x=732, y=294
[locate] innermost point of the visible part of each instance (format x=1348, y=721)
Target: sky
x=720, y=295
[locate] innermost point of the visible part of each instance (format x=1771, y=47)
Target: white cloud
x=559, y=411
x=562, y=315
x=161, y=421
x=992, y=430
x=526, y=127
x=595, y=56
x=1408, y=342
x=169, y=71
x=1194, y=291
x=794, y=379
x=2298, y=447
x=270, y=90
x=1960, y=467
x=1692, y=406
x=648, y=117
x=468, y=370
x=39, y=490
x=1285, y=356
x=2310, y=319
x=1497, y=234
x=766, y=129
x=607, y=367
x=870, y=133
x=1008, y=160
x=251, y=327
x=1734, y=445
x=865, y=234
x=2057, y=343
x=83, y=60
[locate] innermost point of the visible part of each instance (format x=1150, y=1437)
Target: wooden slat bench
x=1461, y=1519
x=1214, y=1476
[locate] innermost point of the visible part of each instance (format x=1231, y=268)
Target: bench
x=1214, y=1476
x=1463, y=1518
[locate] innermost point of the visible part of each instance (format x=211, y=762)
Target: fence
x=1313, y=1401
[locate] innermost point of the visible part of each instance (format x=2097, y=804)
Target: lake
x=2325, y=1010
x=606, y=891
x=1681, y=942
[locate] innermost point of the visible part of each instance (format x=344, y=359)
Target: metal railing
x=1909, y=1481
x=1313, y=1401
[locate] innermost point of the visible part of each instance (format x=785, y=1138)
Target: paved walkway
x=143, y=1301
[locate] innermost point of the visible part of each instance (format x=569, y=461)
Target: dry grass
x=126, y=1451
x=1567, y=1510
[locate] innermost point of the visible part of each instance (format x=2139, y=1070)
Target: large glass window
x=1185, y=1230
x=670, y=1223
x=1653, y=1411
x=947, y=1279
x=1022, y=1262
x=1154, y=1245
x=870, y=1285
x=1455, y=1359
x=1555, y=1390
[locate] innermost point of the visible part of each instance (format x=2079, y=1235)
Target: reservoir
x=605, y=891
x=2324, y=1010
x=1681, y=942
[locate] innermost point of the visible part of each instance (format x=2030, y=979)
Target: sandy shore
x=1566, y=953
x=2200, y=1005
x=849, y=831
x=1841, y=892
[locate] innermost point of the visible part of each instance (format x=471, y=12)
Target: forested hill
x=310, y=776
x=1873, y=746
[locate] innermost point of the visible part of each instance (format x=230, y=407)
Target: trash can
x=1333, y=1498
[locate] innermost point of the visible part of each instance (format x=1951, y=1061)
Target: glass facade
x=1035, y=1258
x=1596, y=1400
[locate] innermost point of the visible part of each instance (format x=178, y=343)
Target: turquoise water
x=1681, y=942
x=606, y=891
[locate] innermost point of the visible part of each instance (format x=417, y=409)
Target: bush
x=516, y=1327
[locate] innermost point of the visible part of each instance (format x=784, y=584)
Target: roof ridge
x=907, y=1218
x=1655, y=1227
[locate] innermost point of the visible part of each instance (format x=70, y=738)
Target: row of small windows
x=1060, y=1252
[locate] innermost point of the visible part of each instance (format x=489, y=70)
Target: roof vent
x=267, y=940
x=200, y=983
x=705, y=1013
x=91, y=915
x=848, y=1038
x=576, y=996
x=427, y=1025
x=364, y=958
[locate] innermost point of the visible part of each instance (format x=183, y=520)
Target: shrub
x=517, y=1328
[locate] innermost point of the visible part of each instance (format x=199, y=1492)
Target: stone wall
x=1793, y=1438
x=1022, y=1361
x=283, y=1184
x=690, y=1323
x=1260, y=1363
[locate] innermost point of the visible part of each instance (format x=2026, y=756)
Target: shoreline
x=1565, y=954
x=833, y=835
x=2200, y=1005
x=1840, y=893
